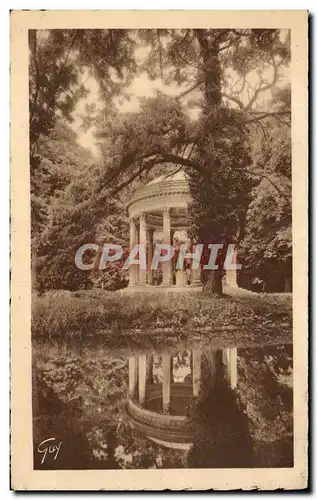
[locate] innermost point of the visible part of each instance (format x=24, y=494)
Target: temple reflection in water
x=191, y=407
x=161, y=389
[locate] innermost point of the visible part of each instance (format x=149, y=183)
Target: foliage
x=265, y=390
x=71, y=228
x=139, y=452
x=79, y=394
x=61, y=161
x=58, y=59
x=71, y=218
x=251, y=426
x=220, y=197
x=267, y=243
x=200, y=56
x=167, y=129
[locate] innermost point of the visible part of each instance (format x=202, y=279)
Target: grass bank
x=144, y=320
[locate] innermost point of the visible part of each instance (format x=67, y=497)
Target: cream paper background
x=22, y=474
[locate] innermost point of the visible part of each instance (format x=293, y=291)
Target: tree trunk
x=212, y=69
x=213, y=282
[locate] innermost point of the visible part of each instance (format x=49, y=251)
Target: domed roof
x=177, y=176
x=166, y=191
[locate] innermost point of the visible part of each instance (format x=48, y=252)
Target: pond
x=191, y=406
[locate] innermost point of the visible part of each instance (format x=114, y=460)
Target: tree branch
x=234, y=99
x=262, y=175
x=246, y=33
x=162, y=157
x=233, y=42
x=179, y=160
x=283, y=195
x=146, y=166
x=223, y=94
x=262, y=87
x=190, y=89
x=126, y=162
x=260, y=115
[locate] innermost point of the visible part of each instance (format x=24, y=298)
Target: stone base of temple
x=196, y=284
x=132, y=285
x=174, y=446
x=165, y=285
x=164, y=428
x=192, y=288
x=161, y=289
x=229, y=288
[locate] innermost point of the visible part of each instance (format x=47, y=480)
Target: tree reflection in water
x=217, y=424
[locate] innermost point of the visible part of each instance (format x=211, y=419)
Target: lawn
x=149, y=320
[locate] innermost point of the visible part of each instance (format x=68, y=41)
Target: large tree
x=222, y=75
x=61, y=61
x=204, y=127
x=71, y=216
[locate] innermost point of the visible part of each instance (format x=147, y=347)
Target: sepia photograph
x=160, y=240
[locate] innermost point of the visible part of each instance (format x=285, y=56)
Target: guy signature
x=50, y=446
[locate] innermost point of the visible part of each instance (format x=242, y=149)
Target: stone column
x=150, y=232
x=132, y=370
x=181, y=278
x=212, y=364
x=166, y=267
x=196, y=371
x=166, y=369
x=132, y=242
x=142, y=371
x=149, y=378
x=230, y=277
x=224, y=357
x=232, y=367
x=231, y=274
x=196, y=277
x=143, y=242
x=172, y=265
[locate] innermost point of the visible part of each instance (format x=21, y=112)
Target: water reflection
x=188, y=407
